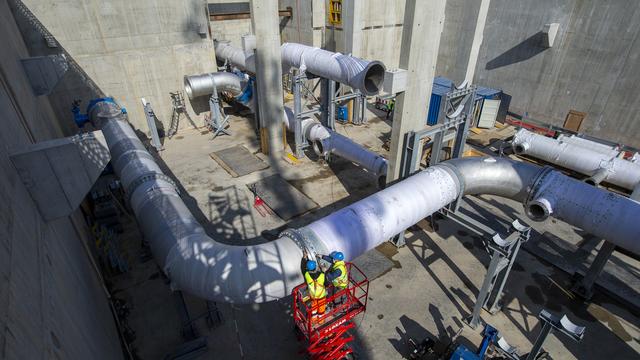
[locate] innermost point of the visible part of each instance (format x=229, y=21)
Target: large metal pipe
x=608, y=150
x=346, y=148
x=620, y=172
x=203, y=85
x=327, y=142
x=198, y=264
x=364, y=75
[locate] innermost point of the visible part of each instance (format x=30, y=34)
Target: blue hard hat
x=311, y=265
x=337, y=255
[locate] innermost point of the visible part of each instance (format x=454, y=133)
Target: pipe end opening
x=518, y=148
x=591, y=181
x=373, y=78
x=318, y=148
x=188, y=88
x=537, y=211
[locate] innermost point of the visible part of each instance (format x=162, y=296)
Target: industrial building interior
x=168, y=165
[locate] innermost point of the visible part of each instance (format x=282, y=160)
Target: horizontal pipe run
x=578, y=158
x=200, y=265
x=346, y=148
x=366, y=76
x=203, y=85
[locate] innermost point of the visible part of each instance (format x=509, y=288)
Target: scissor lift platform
x=326, y=335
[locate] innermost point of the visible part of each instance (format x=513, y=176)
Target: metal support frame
x=503, y=254
x=218, y=120
x=326, y=108
x=151, y=122
x=584, y=284
x=456, y=124
x=300, y=90
x=552, y=322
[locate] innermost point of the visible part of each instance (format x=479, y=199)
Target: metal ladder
x=177, y=100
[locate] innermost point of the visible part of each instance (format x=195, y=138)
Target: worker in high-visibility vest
x=314, y=277
x=337, y=273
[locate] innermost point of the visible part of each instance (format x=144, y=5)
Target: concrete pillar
x=352, y=20
x=477, y=40
x=265, y=21
x=423, y=23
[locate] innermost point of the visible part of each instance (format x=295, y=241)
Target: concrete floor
x=425, y=288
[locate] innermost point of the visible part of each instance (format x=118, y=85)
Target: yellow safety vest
x=316, y=287
x=341, y=281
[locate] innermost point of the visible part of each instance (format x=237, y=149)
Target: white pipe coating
x=344, y=147
x=366, y=76
x=612, y=151
x=199, y=265
x=578, y=158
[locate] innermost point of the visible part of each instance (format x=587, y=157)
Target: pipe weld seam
x=150, y=176
x=537, y=183
x=456, y=174
x=305, y=239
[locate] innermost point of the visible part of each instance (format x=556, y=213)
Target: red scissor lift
x=326, y=336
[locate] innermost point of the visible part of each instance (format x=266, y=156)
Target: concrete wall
x=377, y=30
x=231, y=30
x=592, y=67
x=131, y=49
x=307, y=24
x=52, y=303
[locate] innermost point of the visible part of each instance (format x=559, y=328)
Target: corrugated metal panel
x=434, y=109
x=441, y=86
x=487, y=93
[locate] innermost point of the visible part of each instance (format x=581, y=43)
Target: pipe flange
x=149, y=177
x=304, y=240
x=533, y=187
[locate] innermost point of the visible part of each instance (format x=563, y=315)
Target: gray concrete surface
x=265, y=21
x=590, y=68
x=130, y=49
x=52, y=301
x=420, y=40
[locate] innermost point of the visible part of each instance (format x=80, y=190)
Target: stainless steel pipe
x=198, y=264
x=203, y=85
x=620, y=172
x=366, y=76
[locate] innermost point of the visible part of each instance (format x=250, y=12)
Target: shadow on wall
x=75, y=84
x=525, y=50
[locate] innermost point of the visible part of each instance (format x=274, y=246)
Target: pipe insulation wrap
x=225, y=52
x=366, y=76
x=620, y=172
x=593, y=145
x=198, y=264
x=371, y=221
x=346, y=148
